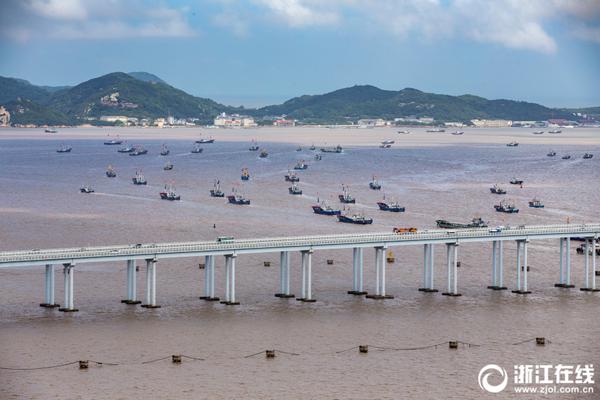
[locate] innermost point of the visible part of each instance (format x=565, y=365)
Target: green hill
x=367, y=101
x=13, y=88
x=146, y=77
x=24, y=111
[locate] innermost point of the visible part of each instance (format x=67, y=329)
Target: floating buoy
x=270, y=353
x=458, y=264
x=137, y=268
x=363, y=348
x=176, y=358
x=523, y=268
x=597, y=273
x=267, y=263
x=390, y=257
x=329, y=262
x=453, y=344
x=83, y=364
x=540, y=341
x=201, y=266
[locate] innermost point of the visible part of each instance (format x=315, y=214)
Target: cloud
x=91, y=19
x=301, y=13
x=588, y=33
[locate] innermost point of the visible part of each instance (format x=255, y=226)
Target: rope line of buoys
x=364, y=348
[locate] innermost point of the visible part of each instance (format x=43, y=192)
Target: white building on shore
x=234, y=120
x=491, y=123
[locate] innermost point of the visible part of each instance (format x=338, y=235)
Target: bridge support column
x=522, y=267
x=49, y=288
x=430, y=288
x=357, y=272
x=590, y=251
x=209, y=279
x=230, y=280
x=425, y=268
x=565, y=264
x=131, y=284
x=452, y=264
x=68, y=271
x=497, y=266
x=380, y=267
x=150, y=284
x=284, y=276
x=307, y=277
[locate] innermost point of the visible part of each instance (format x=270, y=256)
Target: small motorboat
x=245, y=174
x=164, y=151
x=138, y=151
x=457, y=133
x=197, y=150
x=551, y=153
x=515, y=181
x=168, y=166
x=263, y=154
x=512, y=144
x=216, y=190
x=299, y=148
x=126, y=149
x=205, y=140
x=292, y=177
x=587, y=156
x=318, y=157
x=566, y=157
x=86, y=189
x=50, y=130
x=113, y=142
x=496, y=189
x=436, y=130
x=313, y=147
x=536, y=203
x=555, y=131
x=253, y=146
x=294, y=189
x=64, y=149
x=538, y=132
x=110, y=172
x=301, y=165
x=169, y=194
x=404, y=132
x=374, y=184
x=139, y=179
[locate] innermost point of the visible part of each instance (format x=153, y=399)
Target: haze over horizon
x=266, y=51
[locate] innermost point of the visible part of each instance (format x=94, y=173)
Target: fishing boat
x=385, y=146
x=126, y=149
x=515, y=181
x=551, y=153
x=301, y=165
x=475, y=223
x=536, y=203
x=236, y=198
x=404, y=132
x=299, y=148
x=355, y=219
x=50, y=130
x=253, y=146
x=345, y=197
x=496, y=189
x=392, y=206
x=110, y=172
x=336, y=149
x=169, y=194
x=292, y=177
x=555, y=131
x=138, y=151
x=245, y=174
x=139, y=178
x=436, y=130
x=566, y=157
x=64, y=149
x=313, y=147
x=205, y=140
x=457, y=133
x=263, y=154
x=294, y=189
x=388, y=142
x=581, y=249
x=506, y=207
x=538, y=132
x=374, y=184
x=86, y=189
x=325, y=209
x=216, y=190
x=512, y=144
x=318, y=157
x=168, y=166
x=197, y=149
x=164, y=151
x=113, y=142
x=587, y=156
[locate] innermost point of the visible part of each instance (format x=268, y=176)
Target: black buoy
x=363, y=348
x=329, y=262
x=270, y=353
x=267, y=263
x=201, y=266
x=453, y=344
x=83, y=364
x=176, y=358
x=540, y=341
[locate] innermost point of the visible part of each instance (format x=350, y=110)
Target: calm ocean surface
x=41, y=207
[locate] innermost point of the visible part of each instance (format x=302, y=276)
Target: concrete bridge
x=307, y=245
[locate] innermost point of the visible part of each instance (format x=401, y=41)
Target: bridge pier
x=209, y=279
x=68, y=271
x=230, y=280
x=131, y=284
x=522, y=266
x=357, y=272
x=150, y=284
x=588, y=254
x=452, y=266
x=306, y=276
x=428, y=269
x=565, y=264
x=284, y=276
x=497, y=266
x=380, y=266
x=49, y=288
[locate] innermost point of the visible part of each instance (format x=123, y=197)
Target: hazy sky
x=257, y=52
